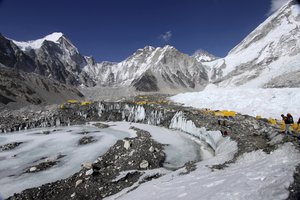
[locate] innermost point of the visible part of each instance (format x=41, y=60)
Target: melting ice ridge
x=222, y=146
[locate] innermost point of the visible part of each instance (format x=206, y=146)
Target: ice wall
x=140, y=114
x=220, y=144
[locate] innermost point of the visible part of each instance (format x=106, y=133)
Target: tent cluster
x=143, y=100
x=72, y=102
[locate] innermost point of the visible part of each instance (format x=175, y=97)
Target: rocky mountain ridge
x=56, y=57
x=267, y=57
x=151, y=69
x=164, y=70
x=20, y=89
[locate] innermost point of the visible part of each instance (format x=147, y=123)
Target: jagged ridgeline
x=267, y=58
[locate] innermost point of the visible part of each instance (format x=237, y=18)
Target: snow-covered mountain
x=267, y=57
x=204, y=56
x=13, y=57
x=36, y=44
x=152, y=69
x=55, y=57
x=20, y=70
x=149, y=69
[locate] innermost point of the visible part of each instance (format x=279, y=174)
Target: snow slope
x=252, y=101
x=270, y=51
x=36, y=44
x=269, y=57
x=255, y=175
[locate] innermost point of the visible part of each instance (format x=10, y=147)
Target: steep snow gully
x=188, y=146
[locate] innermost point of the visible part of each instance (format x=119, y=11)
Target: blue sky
x=113, y=29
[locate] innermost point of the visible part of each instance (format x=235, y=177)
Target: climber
x=298, y=121
x=224, y=133
x=288, y=120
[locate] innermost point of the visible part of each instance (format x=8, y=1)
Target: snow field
x=252, y=101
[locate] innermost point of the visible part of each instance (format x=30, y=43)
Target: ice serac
x=219, y=144
x=267, y=56
x=153, y=69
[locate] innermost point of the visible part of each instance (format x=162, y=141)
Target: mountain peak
x=203, y=56
x=54, y=37
x=150, y=48
x=168, y=47
x=36, y=44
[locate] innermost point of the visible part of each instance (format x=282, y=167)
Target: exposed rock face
x=20, y=69
x=148, y=70
x=28, y=88
x=54, y=57
x=152, y=69
x=12, y=57
x=147, y=83
x=60, y=61
x=101, y=73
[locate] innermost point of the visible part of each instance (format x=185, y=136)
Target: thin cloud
x=276, y=4
x=166, y=37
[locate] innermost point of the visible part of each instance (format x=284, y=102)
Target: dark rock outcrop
x=12, y=57
x=10, y=146
x=59, y=61
x=147, y=83
x=29, y=88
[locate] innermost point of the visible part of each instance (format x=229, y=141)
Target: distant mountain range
x=267, y=57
